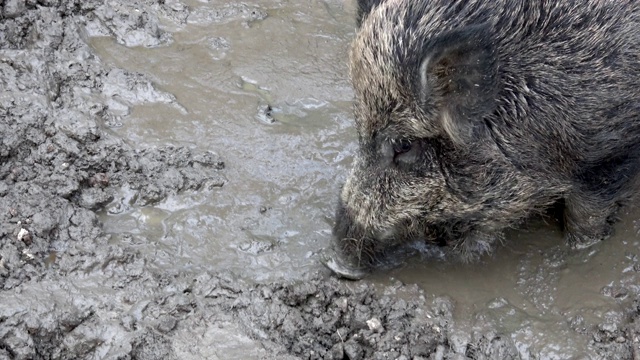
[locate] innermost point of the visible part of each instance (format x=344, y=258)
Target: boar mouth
x=357, y=249
x=355, y=257
x=352, y=257
x=341, y=266
x=354, y=264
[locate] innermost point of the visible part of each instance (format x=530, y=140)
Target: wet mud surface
x=135, y=225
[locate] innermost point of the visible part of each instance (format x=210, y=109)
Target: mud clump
x=320, y=319
x=58, y=160
x=59, y=163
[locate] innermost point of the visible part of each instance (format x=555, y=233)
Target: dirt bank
x=68, y=290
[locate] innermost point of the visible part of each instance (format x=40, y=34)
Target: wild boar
x=473, y=115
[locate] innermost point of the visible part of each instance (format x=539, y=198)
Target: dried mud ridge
x=67, y=292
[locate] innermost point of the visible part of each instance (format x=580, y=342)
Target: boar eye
x=402, y=146
x=406, y=151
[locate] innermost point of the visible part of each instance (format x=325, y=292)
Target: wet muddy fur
x=474, y=115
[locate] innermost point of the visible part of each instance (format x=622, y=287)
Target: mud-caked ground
x=68, y=290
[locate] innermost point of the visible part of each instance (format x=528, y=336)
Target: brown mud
x=134, y=224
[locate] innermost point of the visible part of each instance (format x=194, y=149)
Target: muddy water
x=537, y=289
x=271, y=95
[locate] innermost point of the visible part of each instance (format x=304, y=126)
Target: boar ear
x=364, y=8
x=459, y=76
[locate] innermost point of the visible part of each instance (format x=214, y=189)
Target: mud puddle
x=271, y=95
x=548, y=297
x=165, y=193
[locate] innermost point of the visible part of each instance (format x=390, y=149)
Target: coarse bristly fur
x=474, y=114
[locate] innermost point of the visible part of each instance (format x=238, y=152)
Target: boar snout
x=351, y=241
